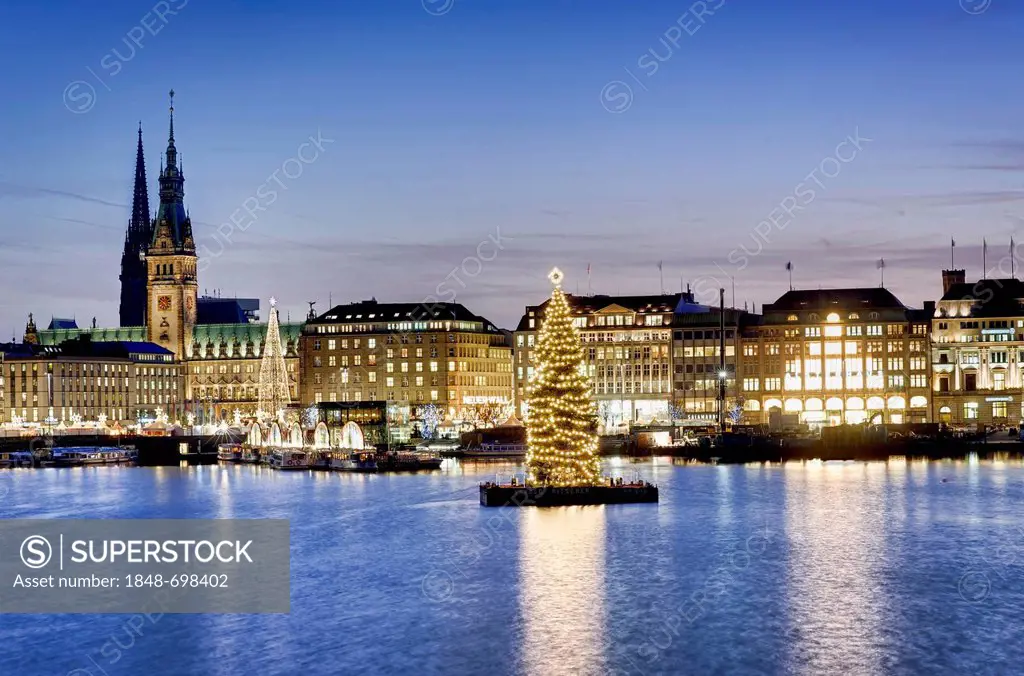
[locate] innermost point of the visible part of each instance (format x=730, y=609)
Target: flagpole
x=661, y=274
x=952, y=254
x=984, y=259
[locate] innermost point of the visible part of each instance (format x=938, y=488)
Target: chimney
x=929, y=308
x=951, y=277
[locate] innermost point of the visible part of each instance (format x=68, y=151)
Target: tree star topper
x=556, y=276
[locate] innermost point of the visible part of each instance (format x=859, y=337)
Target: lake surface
x=804, y=568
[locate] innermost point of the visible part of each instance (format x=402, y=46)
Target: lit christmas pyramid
x=274, y=395
x=561, y=427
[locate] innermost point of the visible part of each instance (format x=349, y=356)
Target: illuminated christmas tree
x=561, y=427
x=274, y=394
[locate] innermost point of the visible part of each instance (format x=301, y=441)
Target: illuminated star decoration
x=556, y=276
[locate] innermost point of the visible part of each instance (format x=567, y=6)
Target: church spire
x=140, y=223
x=136, y=241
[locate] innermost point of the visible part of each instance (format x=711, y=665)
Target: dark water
x=837, y=568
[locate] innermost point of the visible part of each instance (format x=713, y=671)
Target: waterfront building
x=412, y=356
x=122, y=381
x=224, y=367
x=697, y=364
x=978, y=351
x=217, y=340
x=627, y=341
x=834, y=356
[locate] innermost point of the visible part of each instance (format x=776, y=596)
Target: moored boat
x=320, y=459
x=229, y=453
x=407, y=461
x=287, y=458
x=250, y=455
x=78, y=457
x=353, y=461
x=16, y=459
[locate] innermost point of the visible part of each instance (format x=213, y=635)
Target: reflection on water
x=836, y=514
x=562, y=590
x=862, y=573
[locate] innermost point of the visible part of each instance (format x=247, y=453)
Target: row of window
x=853, y=381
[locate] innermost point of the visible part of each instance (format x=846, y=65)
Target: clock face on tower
x=164, y=303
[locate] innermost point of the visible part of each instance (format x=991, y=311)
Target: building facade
x=978, y=351
x=223, y=366
x=697, y=365
x=835, y=356
x=627, y=343
x=411, y=356
x=85, y=380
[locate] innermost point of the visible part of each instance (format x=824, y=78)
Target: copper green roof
x=236, y=335
x=135, y=334
x=232, y=335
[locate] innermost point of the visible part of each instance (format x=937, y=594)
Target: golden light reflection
x=837, y=513
x=562, y=573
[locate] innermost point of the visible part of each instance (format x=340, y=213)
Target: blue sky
x=454, y=121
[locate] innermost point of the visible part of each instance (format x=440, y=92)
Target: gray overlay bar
x=139, y=565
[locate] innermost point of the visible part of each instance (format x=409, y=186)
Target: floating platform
x=496, y=495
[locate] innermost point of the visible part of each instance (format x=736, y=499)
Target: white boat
x=229, y=453
x=289, y=459
x=491, y=450
x=79, y=456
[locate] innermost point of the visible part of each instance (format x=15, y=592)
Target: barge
x=508, y=495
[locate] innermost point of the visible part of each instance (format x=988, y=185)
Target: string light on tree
x=274, y=394
x=561, y=428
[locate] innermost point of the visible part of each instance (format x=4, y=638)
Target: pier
x=152, y=450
